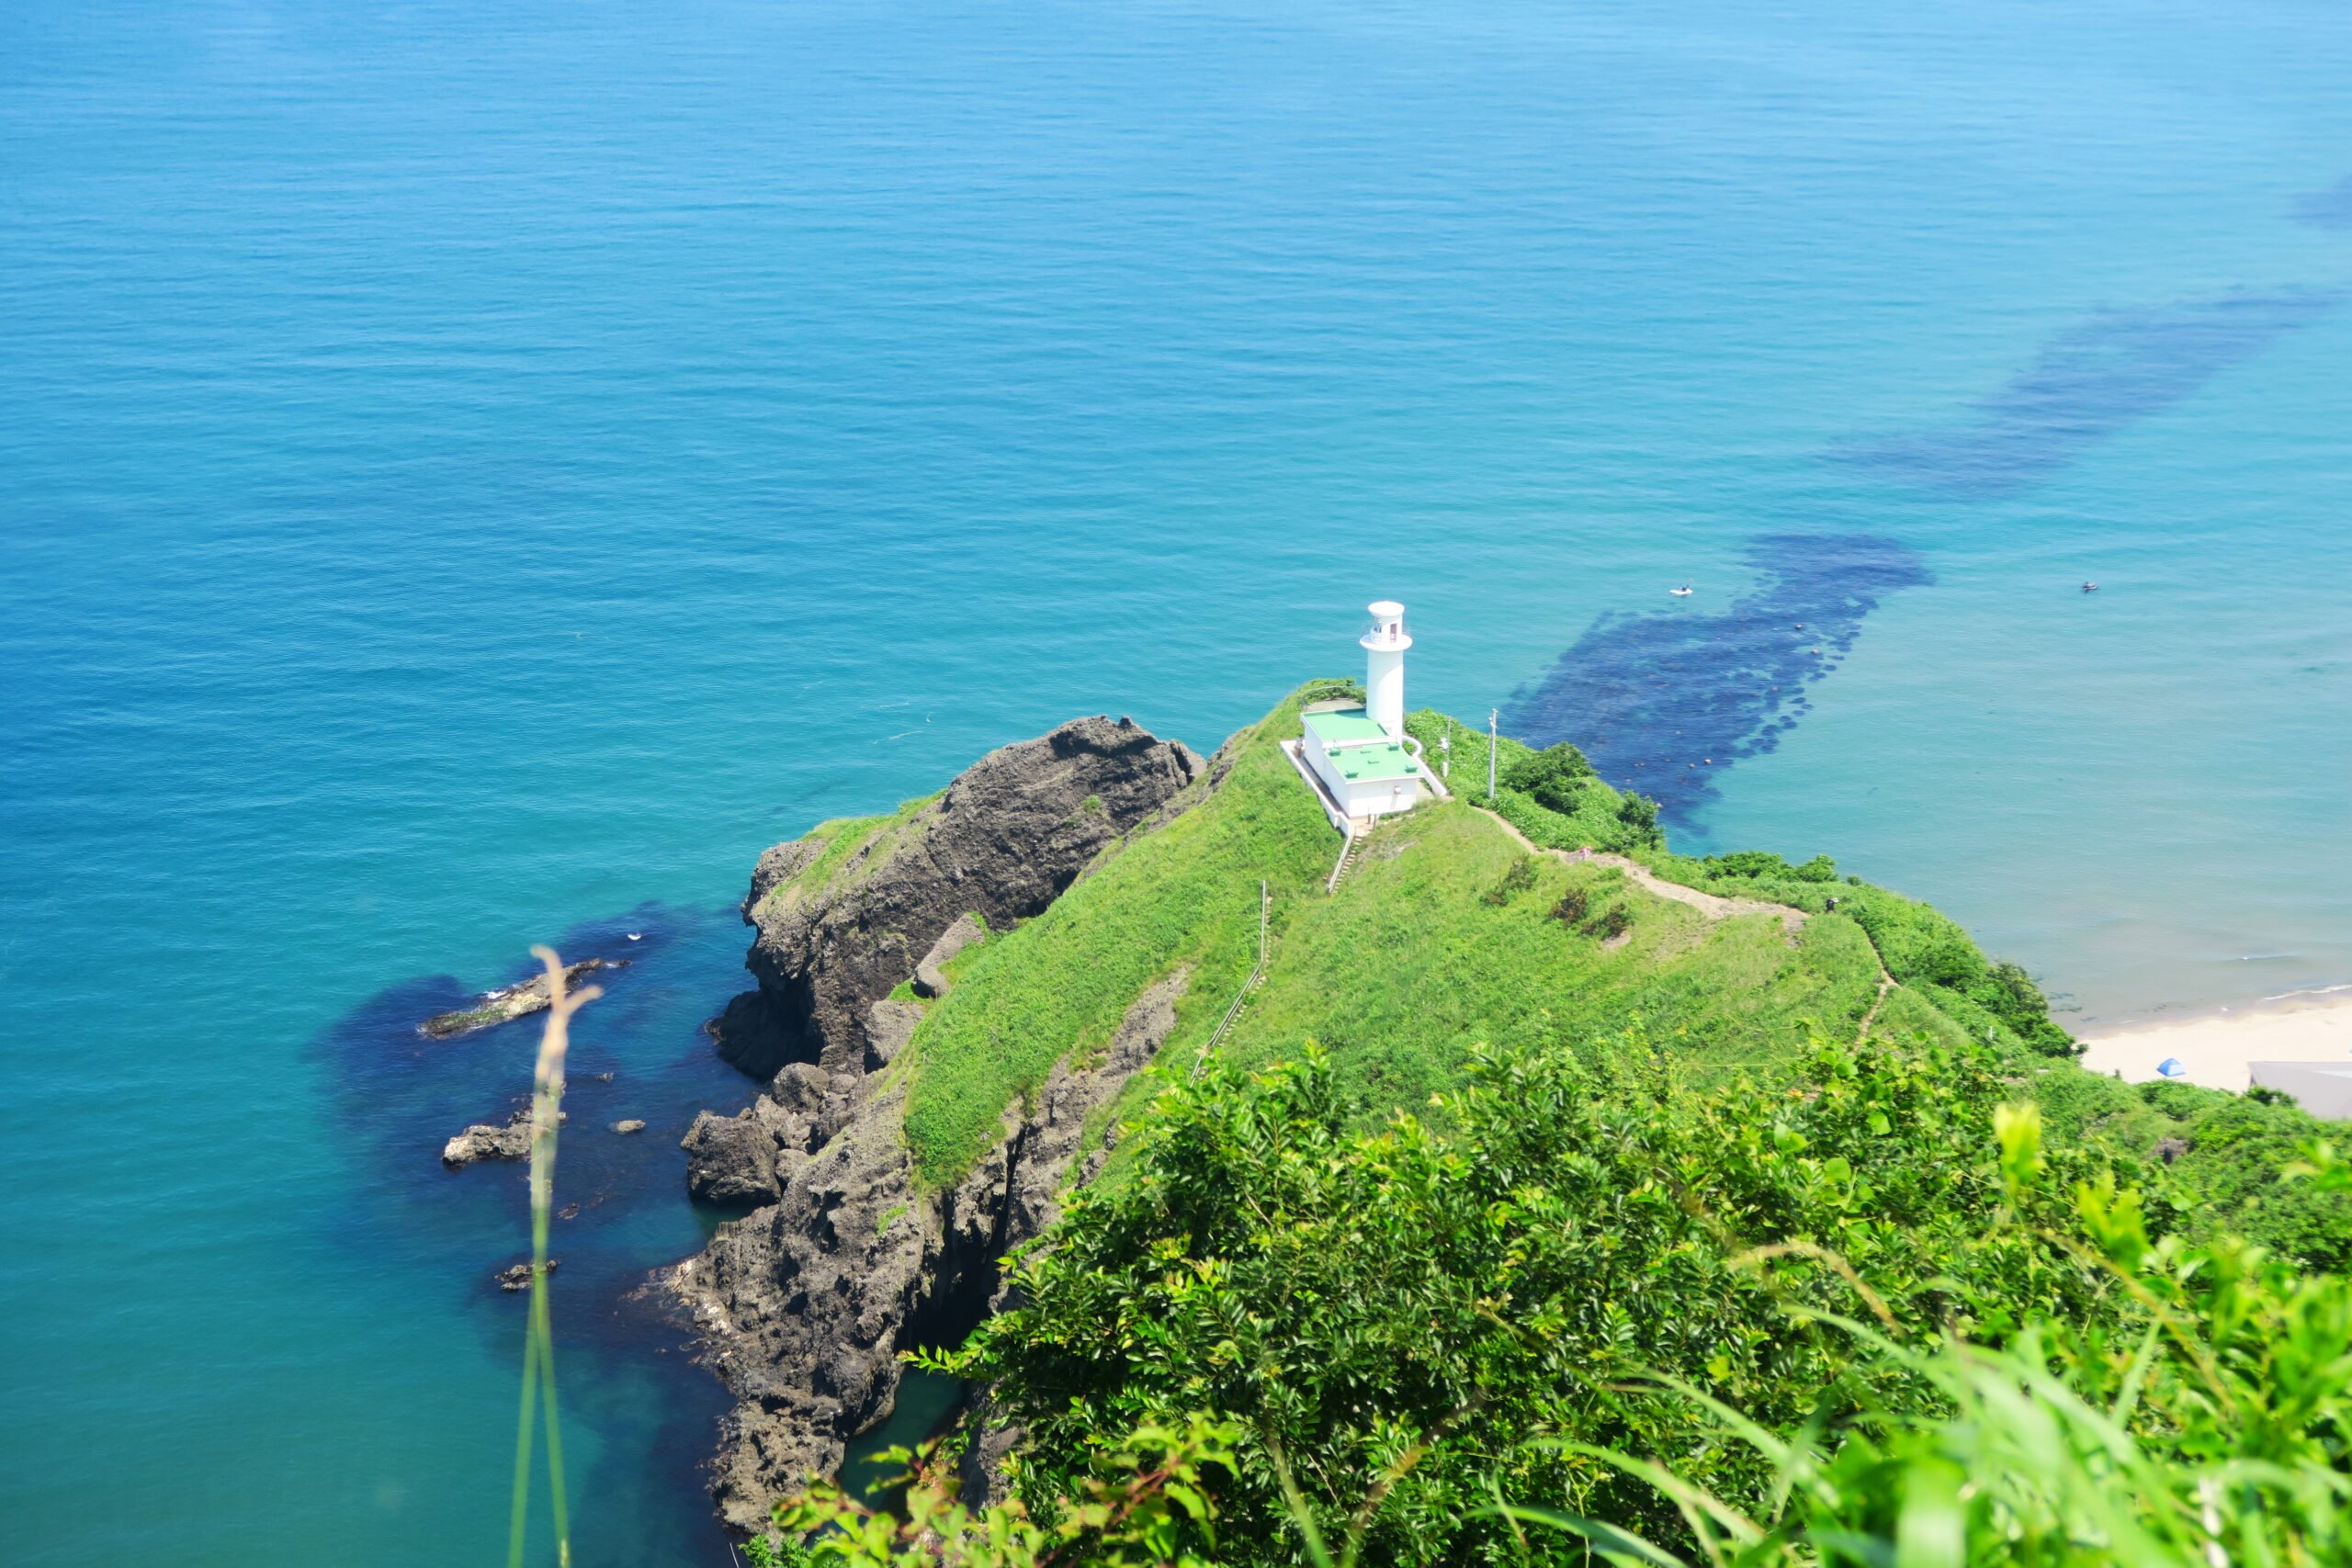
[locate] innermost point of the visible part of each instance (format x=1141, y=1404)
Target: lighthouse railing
x=1413, y=749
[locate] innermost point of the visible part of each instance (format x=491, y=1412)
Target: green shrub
x=1330, y=689
x=2217, y=1430
x=1554, y=777
x=1517, y=879
x=1572, y=906
x=1748, y=864
x=1611, y=923
x=1406, y=1309
x=1142, y=1503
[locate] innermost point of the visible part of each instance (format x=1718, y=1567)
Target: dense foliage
x=1553, y=777
x=2073, y=1391
x=1423, y=1309
x=2213, y=1426
x=1484, y=1277
x=1144, y=1504
x=2221, y=1153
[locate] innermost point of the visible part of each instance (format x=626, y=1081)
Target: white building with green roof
x=1357, y=756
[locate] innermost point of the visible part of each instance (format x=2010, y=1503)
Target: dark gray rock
x=518, y=1276
x=804, y=1305
x=730, y=1160
x=752, y=1036
x=930, y=975
x=1013, y=829
x=509, y=1139
x=778, y=864
x=981, y=1482
x=508, y=1002
x=889, y=1027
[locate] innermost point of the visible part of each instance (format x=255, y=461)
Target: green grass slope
x=1445, y=933
x=1448, y=932
x=854, y=848
x=1183, y=893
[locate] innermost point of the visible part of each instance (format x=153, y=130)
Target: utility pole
x=1492, y=715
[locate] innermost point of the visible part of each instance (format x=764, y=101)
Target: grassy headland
x=1447, y=933
x=1517, y=1150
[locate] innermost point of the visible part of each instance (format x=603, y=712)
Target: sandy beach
x=2308, y=1026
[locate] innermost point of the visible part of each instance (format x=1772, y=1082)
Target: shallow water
x=475, y=475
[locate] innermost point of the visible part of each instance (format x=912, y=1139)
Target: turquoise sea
x=476, y=474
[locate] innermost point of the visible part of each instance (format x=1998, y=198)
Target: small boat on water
x=1681, y=592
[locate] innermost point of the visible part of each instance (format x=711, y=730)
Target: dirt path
x=1713, y=905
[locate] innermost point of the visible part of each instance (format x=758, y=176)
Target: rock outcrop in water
x=520, y=1000
x=1013, y=830
x=805, y=1302
x=509, y=1139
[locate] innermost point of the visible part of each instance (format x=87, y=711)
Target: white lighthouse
x=1359, y=760
x=1384, y=667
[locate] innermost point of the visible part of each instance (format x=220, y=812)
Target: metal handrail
x=1347, y=847
x=1232, y=1014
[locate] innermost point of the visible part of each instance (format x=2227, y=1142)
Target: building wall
x=1359, y=798
x=1367, y=798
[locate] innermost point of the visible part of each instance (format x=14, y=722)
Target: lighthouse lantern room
x=1358, y=757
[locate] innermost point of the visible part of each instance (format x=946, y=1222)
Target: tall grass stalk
x=539, y=1352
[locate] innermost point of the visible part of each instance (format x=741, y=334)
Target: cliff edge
x=804, y=1302
x=846, y=914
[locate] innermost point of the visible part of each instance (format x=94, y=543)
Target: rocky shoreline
x=804, y=1302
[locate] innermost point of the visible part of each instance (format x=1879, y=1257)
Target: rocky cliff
x=804, y=1303
x=838, y=932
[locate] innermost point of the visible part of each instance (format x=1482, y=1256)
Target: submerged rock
x=509, y=1002
x=518, y=1276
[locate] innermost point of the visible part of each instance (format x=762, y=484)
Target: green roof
x=1344, y=726
x=1387, y=761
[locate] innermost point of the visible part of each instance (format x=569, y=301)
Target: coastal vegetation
x=1551, y=1334
x=1551, y=1193
x=1411, y=963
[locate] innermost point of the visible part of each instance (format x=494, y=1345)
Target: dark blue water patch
x=623, y=1355
x=2330, y=208
x=2090, y=381
x=1664, y=704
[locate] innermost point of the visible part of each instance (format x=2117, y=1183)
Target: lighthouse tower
x=1384, y=668
x=1359, y=760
